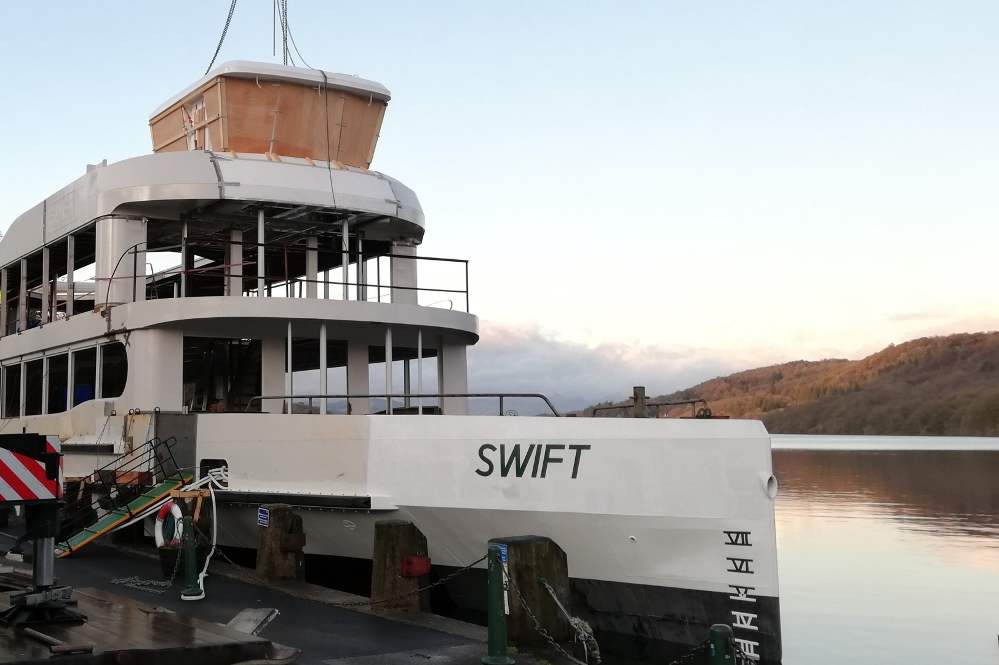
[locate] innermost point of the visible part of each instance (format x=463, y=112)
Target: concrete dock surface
x=309, y=619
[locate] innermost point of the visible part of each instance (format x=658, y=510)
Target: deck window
x=221, y=374
x=12, y=391
x=34, y=373
x=84, y=375
x=114, y=369
x=58, y=377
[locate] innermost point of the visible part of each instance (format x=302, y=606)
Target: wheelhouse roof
x=274, y=72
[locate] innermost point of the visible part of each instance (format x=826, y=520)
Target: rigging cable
x=291, y=36
x=225, y=29
x=282, y=12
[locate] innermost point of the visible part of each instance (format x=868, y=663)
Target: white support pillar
x=454, y=377
x=322, y=368
x=326, y=285
x=289, y=383
x=388, y=371
x=345, y=258
x=46, y=287
x=3, y=300
x=419, y=371
x=22, y=298
x=403, y=274
x=234, y=283
x=70, y=269
x=357, y=377
x=272, y=360
x=261, y=255
x=121, y=251
x=311, y=267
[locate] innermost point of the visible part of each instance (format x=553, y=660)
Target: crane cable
x=225, y=29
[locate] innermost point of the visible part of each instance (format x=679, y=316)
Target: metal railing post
x=135, y=270
x=501, y=405
x=496, y=607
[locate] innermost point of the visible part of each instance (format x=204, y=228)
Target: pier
x=124, y=617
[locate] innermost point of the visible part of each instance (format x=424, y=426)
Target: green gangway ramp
x=115, y=518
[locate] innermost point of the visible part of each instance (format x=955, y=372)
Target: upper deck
x=144, y=280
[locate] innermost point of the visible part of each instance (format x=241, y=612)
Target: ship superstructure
x=255, y=290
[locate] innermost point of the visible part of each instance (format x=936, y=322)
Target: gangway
x=126, y=489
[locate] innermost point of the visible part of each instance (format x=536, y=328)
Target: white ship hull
x=667, y=524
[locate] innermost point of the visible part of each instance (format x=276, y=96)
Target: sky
x=648, y=192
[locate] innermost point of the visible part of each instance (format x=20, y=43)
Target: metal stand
x=45, y=602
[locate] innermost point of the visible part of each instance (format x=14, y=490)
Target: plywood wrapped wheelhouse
x=277, y=111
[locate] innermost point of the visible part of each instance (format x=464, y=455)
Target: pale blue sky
x=732, y=183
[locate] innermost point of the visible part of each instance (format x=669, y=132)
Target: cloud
x=573, y=375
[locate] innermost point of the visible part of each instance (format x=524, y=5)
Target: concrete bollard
x=280, y=543
x=400, y=565
x=530, y=559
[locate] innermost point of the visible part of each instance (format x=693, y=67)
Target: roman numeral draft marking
x=738, y=538
x=740, y=565
x=744, y=620
x=742, y=593
x=748, y=647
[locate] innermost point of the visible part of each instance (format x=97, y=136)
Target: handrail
x=145, y=458
x=278, y=280
x=501, y=396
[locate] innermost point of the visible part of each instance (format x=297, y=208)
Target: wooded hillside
x=933, y=385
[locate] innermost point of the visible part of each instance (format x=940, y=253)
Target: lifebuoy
x=170, y=508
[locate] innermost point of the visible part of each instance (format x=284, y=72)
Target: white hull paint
x=650, y=502
x=669, y=504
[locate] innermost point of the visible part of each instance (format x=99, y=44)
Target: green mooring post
x=721, y=646
x=497, y=654
x=192, y=586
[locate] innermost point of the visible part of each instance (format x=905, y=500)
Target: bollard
x=721, y=646
x=280, y=543
x=496, y=601
x=400, y=566
x=529, y=558
x=192, y=589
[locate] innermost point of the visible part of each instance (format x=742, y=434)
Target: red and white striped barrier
x=24, y=479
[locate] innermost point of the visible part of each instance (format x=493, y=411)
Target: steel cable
x=225, y=29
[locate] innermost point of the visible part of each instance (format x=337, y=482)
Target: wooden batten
x=279, y=118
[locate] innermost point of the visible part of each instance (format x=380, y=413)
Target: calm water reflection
x=888, y=556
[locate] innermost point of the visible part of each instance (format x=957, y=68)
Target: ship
x=254, y=291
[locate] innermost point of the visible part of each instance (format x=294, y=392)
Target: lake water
x=888, y=549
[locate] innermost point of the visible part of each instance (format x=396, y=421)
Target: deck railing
x=413, y=401
x=222, y=279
